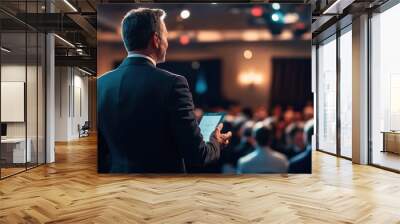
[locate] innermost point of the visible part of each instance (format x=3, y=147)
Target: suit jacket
x=146, y=122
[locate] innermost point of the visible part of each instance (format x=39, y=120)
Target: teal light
x=201, y=84
x=277, y=17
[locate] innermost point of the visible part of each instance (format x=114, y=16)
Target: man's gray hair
x=139, y=25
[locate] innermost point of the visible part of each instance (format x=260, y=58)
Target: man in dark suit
x=146, y=121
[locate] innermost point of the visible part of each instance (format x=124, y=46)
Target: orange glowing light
x=184, y=39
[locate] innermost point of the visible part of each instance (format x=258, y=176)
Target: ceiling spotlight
x=247, y=54
x=275, y=17
x=84, y=71
x=70, y=5
x=276, y=6
x=64, y=40
x=185, y=14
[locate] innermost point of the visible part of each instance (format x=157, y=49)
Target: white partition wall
x=71, y=102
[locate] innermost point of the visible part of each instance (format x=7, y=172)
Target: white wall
x=70, y=83
x=16, y=72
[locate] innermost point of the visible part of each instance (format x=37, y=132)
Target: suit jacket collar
x=136, y=61
x=132, y=54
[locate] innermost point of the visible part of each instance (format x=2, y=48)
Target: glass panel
x=41, y=98
x=385, y=89
x=32, y=96
x=346, y=94
x=327, y=96
x=13, y=88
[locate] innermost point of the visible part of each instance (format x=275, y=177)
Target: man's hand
x=221, y=138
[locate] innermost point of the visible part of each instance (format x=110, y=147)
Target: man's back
x=263, y=160
x=146, y=121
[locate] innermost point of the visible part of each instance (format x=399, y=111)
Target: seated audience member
x=261, y=113
x=263, y=159
x=228, y=154
x=234, y=109
x=277, y=113
x=297, y=121
x=288, y=115
x=236, y=125
x=309, y=126
x=298, y=142
x=246, y=144
x=247, y=112
x=279, y=139
x=301, y=163
x=308, y=111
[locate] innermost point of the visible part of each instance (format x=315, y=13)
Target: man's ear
x=154, y=41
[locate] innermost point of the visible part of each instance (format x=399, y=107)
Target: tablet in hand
x=208, y=123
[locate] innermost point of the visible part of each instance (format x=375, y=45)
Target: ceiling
x=76, y=20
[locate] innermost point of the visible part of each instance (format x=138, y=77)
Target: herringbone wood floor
x=70, y=191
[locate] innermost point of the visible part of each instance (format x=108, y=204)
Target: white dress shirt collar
x=132, y=54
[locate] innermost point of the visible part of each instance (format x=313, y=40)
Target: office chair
x=84, y=130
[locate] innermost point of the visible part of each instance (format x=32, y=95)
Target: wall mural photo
x=230, y=94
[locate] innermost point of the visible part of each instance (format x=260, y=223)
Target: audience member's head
x=235, y=109
x=262, y=134
x=308, y=112
x=247, y=112
x=260, y=113
x=309, y=130
x=288, y=116
x=246, y=132
x=236, y=125
x=277, y=112
x=246, y=129
x=298, y=137
x=297, y=116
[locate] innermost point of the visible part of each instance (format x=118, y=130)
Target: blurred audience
x=263, y=142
